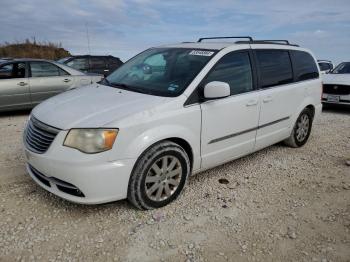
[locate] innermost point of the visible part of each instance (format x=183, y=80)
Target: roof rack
x=224, y=37
x=250, y=40
x=276, y=42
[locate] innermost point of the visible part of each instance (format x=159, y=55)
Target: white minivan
x=169, y=112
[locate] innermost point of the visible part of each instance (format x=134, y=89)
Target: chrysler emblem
x=335, y=87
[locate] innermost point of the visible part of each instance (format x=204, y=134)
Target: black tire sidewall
x=185, y=171
x=303, y=142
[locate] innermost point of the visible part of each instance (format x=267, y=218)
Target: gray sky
x=124, y=28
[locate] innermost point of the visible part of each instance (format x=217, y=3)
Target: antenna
x=88, y=38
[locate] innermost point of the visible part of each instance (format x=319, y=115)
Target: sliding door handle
x=22, y=84
x=267, y=99
x=252, y=103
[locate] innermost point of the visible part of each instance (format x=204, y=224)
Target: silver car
x=25, y=83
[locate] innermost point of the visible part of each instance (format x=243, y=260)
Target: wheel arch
x=177, y=140
x=312, y=108
x=185, y=145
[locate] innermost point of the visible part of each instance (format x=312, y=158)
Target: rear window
x=275, y=68
x=114, y=62
x=305, y=67
x=97, y=62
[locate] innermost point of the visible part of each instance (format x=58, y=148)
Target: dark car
x=93, y=64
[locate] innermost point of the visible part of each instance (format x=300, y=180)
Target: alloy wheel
x=303, y=126
x=163, y=178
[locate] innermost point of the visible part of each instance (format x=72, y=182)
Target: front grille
x=336, y=89
x=39, y=136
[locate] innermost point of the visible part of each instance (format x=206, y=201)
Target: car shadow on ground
x=339, y=109
x=15, y=113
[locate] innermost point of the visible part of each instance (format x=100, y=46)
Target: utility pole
x=88, y=38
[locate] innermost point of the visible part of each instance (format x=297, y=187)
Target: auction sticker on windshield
x=201, y=53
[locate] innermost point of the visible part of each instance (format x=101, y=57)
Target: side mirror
x=216, y=89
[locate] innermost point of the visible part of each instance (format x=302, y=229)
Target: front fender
x=151, y=136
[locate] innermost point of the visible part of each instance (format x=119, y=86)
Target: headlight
x=91, y=140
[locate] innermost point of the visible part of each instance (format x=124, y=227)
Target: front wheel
x=158, y=176
x=301, y=130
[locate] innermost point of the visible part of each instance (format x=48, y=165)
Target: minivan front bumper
x=91, y=182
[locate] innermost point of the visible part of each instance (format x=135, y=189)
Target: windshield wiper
x=122, y=85
x=105, y=82
x=130, y=88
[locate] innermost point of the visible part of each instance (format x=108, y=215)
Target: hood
x=341, y=79
x=93, y=106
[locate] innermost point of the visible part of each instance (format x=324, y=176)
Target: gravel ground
x=280, y=204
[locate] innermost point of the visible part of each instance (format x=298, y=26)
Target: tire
x=299, y=137
x=148, y=178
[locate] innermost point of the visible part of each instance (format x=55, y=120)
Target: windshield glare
x=343, y=68
x=161, y=71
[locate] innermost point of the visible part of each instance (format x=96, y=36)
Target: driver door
x=229, y=125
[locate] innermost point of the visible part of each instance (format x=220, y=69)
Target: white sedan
x=24, y=83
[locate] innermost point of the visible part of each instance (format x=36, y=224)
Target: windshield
x=160, y=71
x=62, y=60
x=343, y=68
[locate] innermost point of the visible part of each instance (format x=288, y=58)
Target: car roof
x=200, y=45
x=75, y=56
x=222, y=45
x=25, y=60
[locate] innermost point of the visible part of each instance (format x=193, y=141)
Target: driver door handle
x=66, y=80
x=22, y=84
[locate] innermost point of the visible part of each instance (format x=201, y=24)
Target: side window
x=44, y=69
x=79, y=64
x=305, y=67
x=62, y=72
x=275, y=68
x=6, y=71
x=324, y=66
x=14, y=70
x=234, y=69
x=97, y=63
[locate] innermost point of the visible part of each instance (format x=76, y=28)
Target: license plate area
x=333, y=99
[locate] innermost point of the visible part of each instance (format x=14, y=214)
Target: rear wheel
x=301, y=130
x=159, y=176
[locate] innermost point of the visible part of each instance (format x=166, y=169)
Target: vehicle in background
x=336, y=85
x=103, y=65
x=325, y=66
x=24, y=83
x=4, y=59
x=169, y=112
